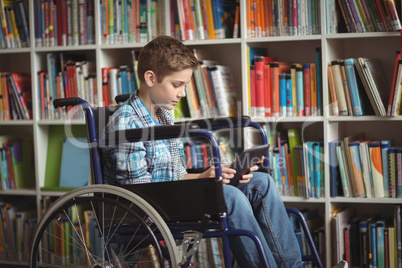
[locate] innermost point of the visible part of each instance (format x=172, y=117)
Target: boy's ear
x=150, y=78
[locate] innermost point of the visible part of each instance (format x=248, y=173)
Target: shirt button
x=119, y=163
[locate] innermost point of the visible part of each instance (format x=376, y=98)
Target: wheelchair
x=142, y=225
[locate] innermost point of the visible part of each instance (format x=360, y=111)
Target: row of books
x=297, y=166
x=64, y=23
x=66, y=76
x=211, y=92
x=205, y=19
x=283, y=18
x=131, y=21
x=16, y=163
x=363, y=16
x=17, y=226
x=315, y=223
x=15, y=24
x=357, y=87
x=61, y=242
x=367, y=241
x=284, y=89
x=365, y=168
x=15, y=96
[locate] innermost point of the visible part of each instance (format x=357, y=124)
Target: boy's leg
x=240, y=216
x=273, y=220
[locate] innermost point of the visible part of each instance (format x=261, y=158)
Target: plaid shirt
x=141, y=162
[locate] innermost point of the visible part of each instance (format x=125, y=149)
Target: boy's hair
x=165, y=55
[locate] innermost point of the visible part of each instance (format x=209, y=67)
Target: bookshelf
x=231, y=52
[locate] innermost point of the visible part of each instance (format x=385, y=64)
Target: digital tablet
x=245, y=160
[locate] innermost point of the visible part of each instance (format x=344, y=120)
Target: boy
x=165, y=66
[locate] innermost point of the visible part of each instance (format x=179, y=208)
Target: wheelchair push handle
x=65, y=102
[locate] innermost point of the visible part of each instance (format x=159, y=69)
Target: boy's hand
x=227, y=173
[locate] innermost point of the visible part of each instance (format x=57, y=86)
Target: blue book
x=380, y=243
x=317, y=171
x=385, y=144
x=277, y=171
x=300, y=91
x=282, y=94
x=311, y=173
x=193, y=151
x=124, y=81
x=333, y=168
x=373, y=244
x=289, y=100
x=75, y=163
x=354, y=90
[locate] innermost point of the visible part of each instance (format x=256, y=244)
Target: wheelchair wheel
x=102, y=226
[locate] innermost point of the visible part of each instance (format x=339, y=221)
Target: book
x=376, y=169
x=332, y=90
x=355, y=93
x=340, y=91
x=75, y=163
x=393, y=84
x=374, y=83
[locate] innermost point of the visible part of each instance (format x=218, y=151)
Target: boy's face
x=171, y=89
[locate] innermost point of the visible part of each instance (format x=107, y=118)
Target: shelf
x=296, y=199
x=267, y=120
x=65, y=48
x=363, y=118
x=61, y=122
x=15, y=50
x=16, y=122
x=384, y=201
x=361, y=35
x=283, y=38
x=18, y=192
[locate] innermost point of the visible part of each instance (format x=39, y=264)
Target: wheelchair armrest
x=149, y=133
x=219, y=122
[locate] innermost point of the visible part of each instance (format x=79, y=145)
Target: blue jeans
x=257, y=206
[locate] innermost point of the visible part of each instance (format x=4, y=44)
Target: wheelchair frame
x=195, y=128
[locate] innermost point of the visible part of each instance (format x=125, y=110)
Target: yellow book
x=210, y=19
x=391, y=246
x=313, y=94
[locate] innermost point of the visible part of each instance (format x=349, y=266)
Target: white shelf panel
x=384, y=201
x=65, y=48
x=296, y=199
x=260, y=119
x=361, y=35
x=15, y=50
x=363, y=118
x=61, y=122
x=283, y=38
x=18, y=192
x=16, y=122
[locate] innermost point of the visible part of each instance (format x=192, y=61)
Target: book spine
x=282, y=94
x=307, y=89
x=275, y=88
x=340, y=92
x=353, y=87
x=376, y=169
x=399, y=173
x=300, y=91
x=357, y=169
x=259, y=85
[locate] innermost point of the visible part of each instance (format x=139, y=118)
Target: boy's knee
x=234, y=198
x=263, y=180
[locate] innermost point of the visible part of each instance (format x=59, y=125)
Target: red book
x=391, y=95
x=187, y=150
x=204, y=154
x=346, y=243
x=267, y=89
x=105, y=91
x=382, y=14
x=275, y=88
x=8, y=147
x=307, y=89
x=57, y=3
x=22, y=84
x=259, y=85
x=252, y=89
x=42, y=94
x=63, y=20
